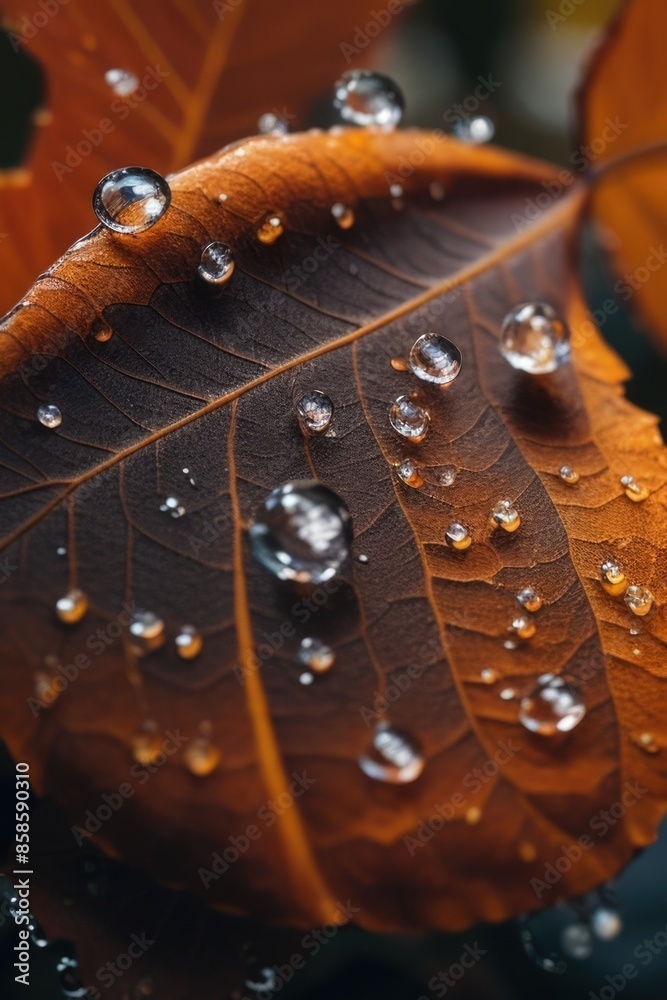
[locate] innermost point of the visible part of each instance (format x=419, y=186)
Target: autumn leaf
x=158, y=84
x=177, y=415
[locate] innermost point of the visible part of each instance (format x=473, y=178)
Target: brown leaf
x=623, y=115
x=206, y=72
x=207, y=382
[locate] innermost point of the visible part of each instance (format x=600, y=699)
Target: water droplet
x=367, y=98
x=316, y=654
x=473, y=815
x=222, y=197
x=344, y=216
x=61, y=551
x=647, y=742
x=437, y=190
x=131, y=200
x=270, y=229
x=639, y=599
x=101, y=331
x=475, y=130
x=72, y=607
x=69, y=978
x=511, y=644
x=489, y=675
x=548, y=963
x=577, y=941
x=399, y=364
x=553, y=706
x=216, y=264
x=122, y=81
x=612, y=577
x=306, y=678
x=531, y=601
x=264, y=982
x=362, y=558
x=409, y=419
x=272, y=124
x=396, y=191
x=147, y=632
x=315, y=411
x=458, y=537
x=303, y=532
x=447, y=475
x=392, y=757
x=633, y=490
x=173, y=506
x=46, y=689
x=606, y=923
x=507, y=694
x=568, y=475
x=201, y=756
x=147, y=744
x=435, y=359
x=523, y=628
x=49, y=415
x=533, y=339
x=504, y=515
x=189, y=642
x=409, y=473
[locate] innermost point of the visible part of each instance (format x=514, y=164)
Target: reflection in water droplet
x=533, y=339
x=458, y=537
x=201, y=756
x=392, y=757
x=367, y=98
x=147, y=633
x=447, y=475
x=315, y=411
x=72, y=607
x=216, y=264
x=553, y=706
x=189, y=642
x=271, y=124
x=49, y=415
x=173, y=506
x=639, y=599
x=612, y=577
x=606, y=923
x=302, y=532
x=523, y=628
x=316, y=654
x=270, y=229
x=504, y=515
x=633, y=490
x=531, y=601
x=435, y=359
x=409, y=473
x=122, y=81
x=131, y=200
x=409, y=419
x=475, y=130
x=577, y=941
x=568, y=475
x=343, y=216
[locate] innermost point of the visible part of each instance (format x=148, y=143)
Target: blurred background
x=535, y=50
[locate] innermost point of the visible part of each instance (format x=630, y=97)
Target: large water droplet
x=505, y=515
x=316, y=654
x=72, y=607
x=392, y=757
x=315, y=411
x=131, y=200
x=553, y=706
x=475, y=130
x=568, y=475
x=633, y=490
x=447, y=475
x=639, y=599
x=49, y=415
x=435, y=359
x=533, y=339
x=189, y=642
x=409, y=419
x=303, y=532
x=122, y=81
x=531, y=601
x=458, y=537
x=612, y=577
x=367, y=98
x=147, y=632
x=216, y=264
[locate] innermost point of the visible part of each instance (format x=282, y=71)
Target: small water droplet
x=46, y=689
x=647, y=742
x=362, y=558
x=489, y=675
x=409, y=473
x=173, y=506
x=548, y=963
x=189, y=642
x=271, y=124
x=367, y=98
x=396, y=191
x=511, y=644
x=633, y=490
x=101, y=331
x=72, y=607
x=222, y=197
x=122, y=81
x=399, y=364
x=315, y=411
x=146, y=746
x=316, y=654
x=612, y=577
x=270, y=229
x=61, y=551
x=568, y=475
x=302, y=532
x=147, y=632
x=344, y=216
x=392, y=757
x=505, y=515
x=216, y=265
x=523, y=628
x=409, y=419
x=447, y=475
x=577, y=941
x=475, y=130
x=531, y=601
x=553, y=706
x=437, y=190
x=49, y=415
x=435, y=359
x=67, y=968
x=533, y=339
x=473, y=815
x=507, y=694
x=306, y=678
x=131, y=200
x=639, y=599
x=263, y=982
x=458, y=537
x=606, y=923
x=201, y=756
